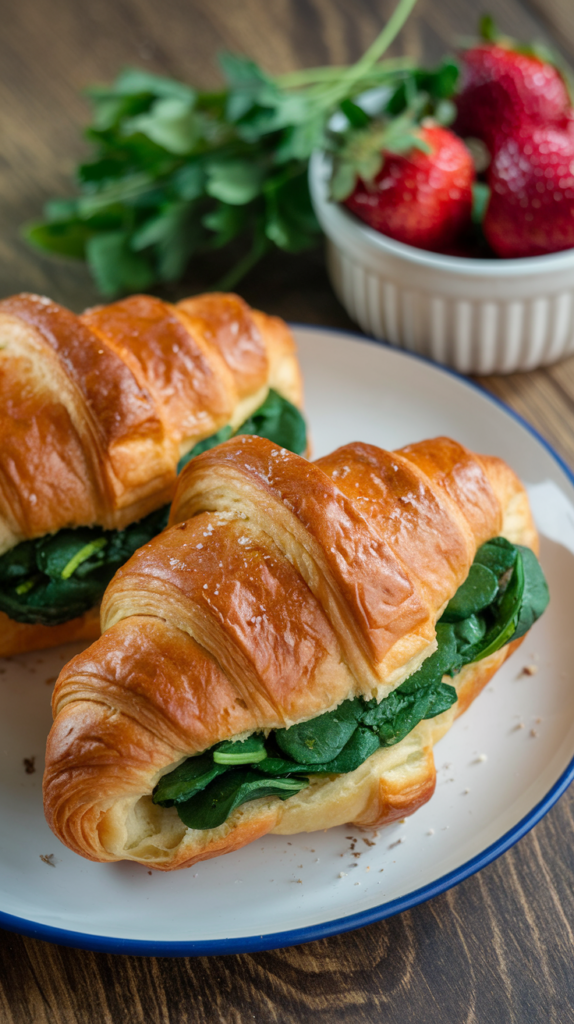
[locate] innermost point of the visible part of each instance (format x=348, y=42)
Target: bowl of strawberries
x=448, y=208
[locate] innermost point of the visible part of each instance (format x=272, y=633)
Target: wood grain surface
x=500, y=947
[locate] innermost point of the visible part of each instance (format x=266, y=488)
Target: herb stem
x=311, y=76
x=245, y=264
x=372, y=55
x=255, y=757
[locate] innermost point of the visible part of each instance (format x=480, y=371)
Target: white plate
x=282, y=891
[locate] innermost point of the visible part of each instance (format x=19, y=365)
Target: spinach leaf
x=503, y=616
x=277, y=419
x=49, y=602
x=357, y=749
x=398, y=714
x=321, y=738
x=394, y=717
x=213, y=805
x=19, y=563
x=187, y=779
x=362, y=743
x=124, y=543
x=468, y=635
x=280, y=421
x=443, y=697
x=477, y=592
x=535, y=596
x=204, y=446
x=497, y=554
x=438, y=664
x=63, y=553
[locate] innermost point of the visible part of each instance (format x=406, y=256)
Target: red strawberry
x=501, y=90
x=423, y=199
x=531, y=208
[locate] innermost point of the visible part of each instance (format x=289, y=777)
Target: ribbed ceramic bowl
x=478, y=316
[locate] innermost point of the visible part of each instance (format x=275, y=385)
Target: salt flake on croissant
x=285, y=591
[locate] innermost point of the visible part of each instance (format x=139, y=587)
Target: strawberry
x=502, y=89
x=531, y=208
x=421, y=198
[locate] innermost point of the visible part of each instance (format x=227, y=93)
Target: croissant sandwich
x=97, y=412
x=284, y=657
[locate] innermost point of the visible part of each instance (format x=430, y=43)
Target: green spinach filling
x=503, y=594
x=57, y=577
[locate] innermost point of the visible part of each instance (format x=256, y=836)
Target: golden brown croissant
x=96, y=410
x=282, y=590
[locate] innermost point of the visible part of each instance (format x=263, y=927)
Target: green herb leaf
x=115, y=266
x=233, y=181
x=299, y=140
x=188, y=182
x=355, y=115
x=249, y=85
x=18, y=563
x=290, y=221
x=135, y=82
x=226, y=222
x=170, y=123
x=66, y=238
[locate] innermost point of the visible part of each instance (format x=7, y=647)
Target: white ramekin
x=478, y=316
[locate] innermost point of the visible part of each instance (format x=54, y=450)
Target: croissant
x=284, y=596
x=95, y=413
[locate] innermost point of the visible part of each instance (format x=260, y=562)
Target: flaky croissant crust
x=97, y=409
x=283, y=588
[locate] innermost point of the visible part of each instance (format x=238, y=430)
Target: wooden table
x=499, y=947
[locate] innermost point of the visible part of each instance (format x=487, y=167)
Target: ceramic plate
x=500, y=768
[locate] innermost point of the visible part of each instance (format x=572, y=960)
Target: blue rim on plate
x=295, y=936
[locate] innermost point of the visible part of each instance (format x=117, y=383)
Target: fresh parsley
x=177, y=171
